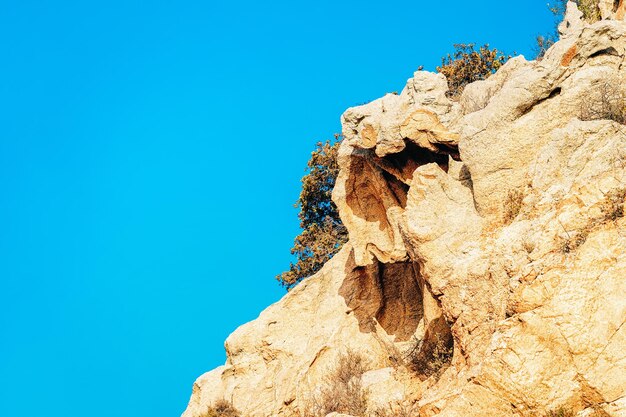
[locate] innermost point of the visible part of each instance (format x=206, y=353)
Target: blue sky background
x=150, y=156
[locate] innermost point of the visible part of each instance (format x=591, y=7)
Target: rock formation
x=493, y=225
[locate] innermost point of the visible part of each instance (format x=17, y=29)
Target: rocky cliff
x=487, y=236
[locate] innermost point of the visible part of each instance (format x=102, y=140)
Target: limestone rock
x=385, y=141
x=277, y=362
x=383, y=387
x=612, y=9
x=491, y=228
x=572, y=21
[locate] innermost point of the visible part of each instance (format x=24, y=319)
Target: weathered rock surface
x=495, y=223
x=277, y=362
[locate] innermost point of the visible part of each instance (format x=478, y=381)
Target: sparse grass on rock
x=512, y=205
x=222, y=408
x=590, y=10
x=433, y=361
x=341, y=390
x=612, y=209
x=607, y=101
x=560, y=412
x=398, y=409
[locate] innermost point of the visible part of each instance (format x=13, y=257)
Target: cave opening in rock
x=398, y=168
x=606, y=51
x=396, y=298
x=404, y=163
x=432, y=354
x=399, y=189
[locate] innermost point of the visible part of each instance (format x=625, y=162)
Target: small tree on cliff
x=323, y=234
x=467, y=65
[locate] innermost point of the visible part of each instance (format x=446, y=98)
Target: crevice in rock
x=402, y=164
x=606, y=51
x=387, y=294
x=375, y=184
x=528, y=108
x=616, y=4
x=433, y=353
x=396, y=297
x=365, y=193
x=399, y=189
x=448, y=149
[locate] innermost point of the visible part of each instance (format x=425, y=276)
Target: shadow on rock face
x=387, y=293
x=368, y=195
x=433, y=354
x=392, y=295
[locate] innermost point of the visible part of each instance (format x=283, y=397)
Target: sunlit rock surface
x=491, y=223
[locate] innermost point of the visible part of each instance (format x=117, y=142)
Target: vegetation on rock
x=545, y=41
x=606, y=102
x=341, y=390
x=611, y=209
x=323, y=234
x=398, y=409
x=561, y=412
x=589, y=9
x=467, y=65
x=222, y=408
x=512, y=205
x=431, y=361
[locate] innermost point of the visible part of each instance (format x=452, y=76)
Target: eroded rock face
x=277, y=363
x=495, y=223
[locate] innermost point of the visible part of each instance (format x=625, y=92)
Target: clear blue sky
x=150, y=156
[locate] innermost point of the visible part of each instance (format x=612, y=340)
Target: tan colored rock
x=385, y=141
x=530, y=101
x=416, y=115
x=512, y=249
x=370, y=204
x=572, y=21
x=383, y=387
x=277, y=362
x=612, y=9
x=423, y=128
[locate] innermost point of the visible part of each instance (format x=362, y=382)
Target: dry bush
x=606, y=102
x=612, y=209
x=560, y=412
x=398, y=409
x=467, y=65
x=512, y=205
x=528, y=245
x=341, y=390
x=589, y=9
x=573, y=242
x=612, y=205
x=431, y=361
x=222, y=408
x=543, y=43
